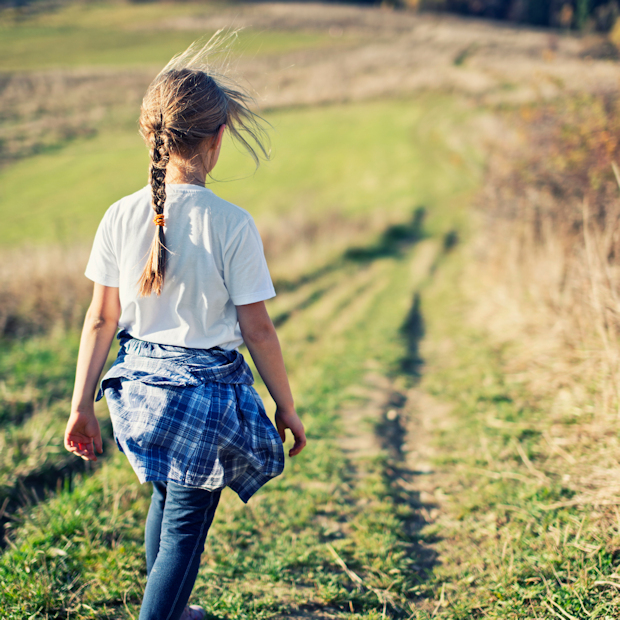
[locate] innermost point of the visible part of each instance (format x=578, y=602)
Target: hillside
x=452, y=345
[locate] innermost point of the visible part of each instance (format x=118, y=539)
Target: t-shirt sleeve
x=102, y=266
x=246, y=274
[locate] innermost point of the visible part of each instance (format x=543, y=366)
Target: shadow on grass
x=393, y=242
x=412, y=332
x=393, y=433
x=283, y=317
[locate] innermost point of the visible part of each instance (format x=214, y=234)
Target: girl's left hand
x=82, y=436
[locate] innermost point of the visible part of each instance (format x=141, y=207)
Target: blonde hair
x=185, y=105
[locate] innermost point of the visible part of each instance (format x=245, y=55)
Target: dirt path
x=399, y=422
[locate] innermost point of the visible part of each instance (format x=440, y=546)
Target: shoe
x=193, y=612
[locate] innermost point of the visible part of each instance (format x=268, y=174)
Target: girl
x=187, y=287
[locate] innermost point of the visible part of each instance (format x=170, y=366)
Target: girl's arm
x=82, y=436
x=262, y=341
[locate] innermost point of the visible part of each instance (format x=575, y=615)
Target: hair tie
x=159, y=219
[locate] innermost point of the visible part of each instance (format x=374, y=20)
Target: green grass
x=59, y=197
x=36, y=379
x=345, y=159
x=116, y=35
x=35, y=371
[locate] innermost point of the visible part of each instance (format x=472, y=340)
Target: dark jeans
x=176, y=528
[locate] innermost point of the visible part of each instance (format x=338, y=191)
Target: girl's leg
x=152, y=531
x=188, y=514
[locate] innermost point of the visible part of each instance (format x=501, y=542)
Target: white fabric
x=216, y=262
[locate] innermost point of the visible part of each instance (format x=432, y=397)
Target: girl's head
x=182, y=113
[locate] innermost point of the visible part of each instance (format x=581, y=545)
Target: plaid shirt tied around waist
x=191, y=416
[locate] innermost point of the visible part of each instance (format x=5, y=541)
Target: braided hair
x=152, y=278
x=185, y=105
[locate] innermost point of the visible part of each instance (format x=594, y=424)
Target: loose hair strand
x=185, y=105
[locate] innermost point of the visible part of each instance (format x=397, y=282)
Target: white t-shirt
x=216, y=262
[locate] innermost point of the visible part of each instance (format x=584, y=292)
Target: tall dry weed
x=550, y=244
x=552, y=224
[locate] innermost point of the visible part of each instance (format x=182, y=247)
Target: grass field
x=439, y=477
x=323, y=164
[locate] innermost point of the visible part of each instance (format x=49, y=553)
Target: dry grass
x=550, y=288
x=42, y=288
x=43, y=110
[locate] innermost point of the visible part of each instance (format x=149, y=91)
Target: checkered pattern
x=191, y=416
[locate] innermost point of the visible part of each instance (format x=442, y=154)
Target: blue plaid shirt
x=191, y=416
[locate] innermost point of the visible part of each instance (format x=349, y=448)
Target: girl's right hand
x=289, y=419
x=82, y=436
